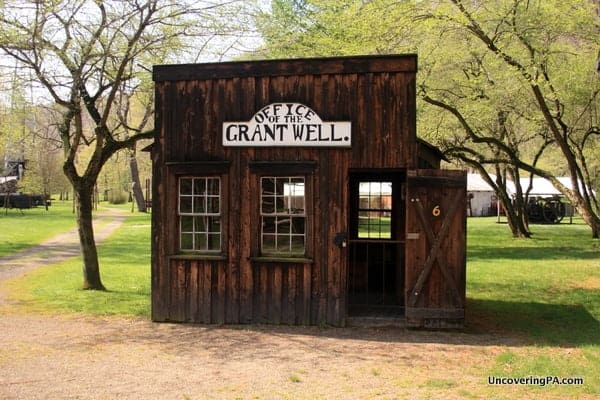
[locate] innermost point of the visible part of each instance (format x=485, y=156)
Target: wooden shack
x=294, y=192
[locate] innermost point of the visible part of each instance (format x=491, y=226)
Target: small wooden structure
x=290, y=192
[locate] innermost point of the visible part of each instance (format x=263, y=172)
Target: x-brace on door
x=435, y=248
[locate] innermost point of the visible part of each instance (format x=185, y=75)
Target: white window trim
x=202, y=214
x=275, y=214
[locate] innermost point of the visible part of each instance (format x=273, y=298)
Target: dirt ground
x=82, y=357
x=50, y=357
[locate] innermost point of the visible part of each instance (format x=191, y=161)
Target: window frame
x=398, y=179
x=276, y=215
x=205, y=196
x=382, y=210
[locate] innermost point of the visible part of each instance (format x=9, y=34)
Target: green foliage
x=517, y=79
x=117, y=197
x=93, y=69
x=316, y=28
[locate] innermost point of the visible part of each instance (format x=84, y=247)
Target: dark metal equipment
x=546, y=210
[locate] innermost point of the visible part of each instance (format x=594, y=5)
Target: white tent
x=542, y=187
x=482, y=198
x=4, y=179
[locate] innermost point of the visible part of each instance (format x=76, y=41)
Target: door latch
x=340, y=239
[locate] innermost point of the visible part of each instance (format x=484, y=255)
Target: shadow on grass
x=489, y=322
x=482, y=253
x=544, y=324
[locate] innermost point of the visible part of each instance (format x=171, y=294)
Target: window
x=200, y=214
x=283, y=216
x=375, y=210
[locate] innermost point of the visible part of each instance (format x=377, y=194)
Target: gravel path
x=56, y=249
x=49, y=357
x=60, y=247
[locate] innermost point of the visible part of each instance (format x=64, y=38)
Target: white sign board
x=287, y=124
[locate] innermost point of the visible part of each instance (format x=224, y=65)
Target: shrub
x=117, y=197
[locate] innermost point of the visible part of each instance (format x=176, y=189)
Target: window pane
x=185, y=186
x=213, y=187
x=298, y=244
x=283, y=243
x=298, y=225
x=297, y=206
x=187, y=224
x=279, y=184
x=363, y=224
x=199, y=204
x=199, y=187
x=187, y=241
x=385, y=225
x=386, y=202
x=298, y=185
x=364, y=188
x=214, y=241
x=201, y=243
x=281, y=205
x=374, y=228
x=185, y=204
x=375, y=188
x=295, y=194
x=375, y=201
x=283, y=225
x=268, y=186
x=268, y=243
x=214, y=224
x=269, y=224
x=363, y=202
x=268, y=205
x=213, y=205
x=200, y=224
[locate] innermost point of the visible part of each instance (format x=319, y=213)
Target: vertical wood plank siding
x=440, y=301
x=377, y=94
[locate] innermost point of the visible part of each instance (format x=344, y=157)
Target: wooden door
x=435, y=248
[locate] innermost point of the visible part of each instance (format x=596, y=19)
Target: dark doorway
x=376, y=248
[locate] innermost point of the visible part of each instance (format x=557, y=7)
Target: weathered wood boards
x=435, y=248
x=374, y=95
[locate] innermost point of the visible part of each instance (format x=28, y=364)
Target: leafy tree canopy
x=517, y=79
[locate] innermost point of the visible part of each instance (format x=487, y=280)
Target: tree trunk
x=138, y=194
x=514, y=217
x=91, y=267
x=591, y=219
x=519, y=204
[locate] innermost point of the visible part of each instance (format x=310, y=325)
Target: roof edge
x=286, y=67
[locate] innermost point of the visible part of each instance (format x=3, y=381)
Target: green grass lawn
x=19, y=230
x=125, y=271
x=555, y=276
x=545, y=290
